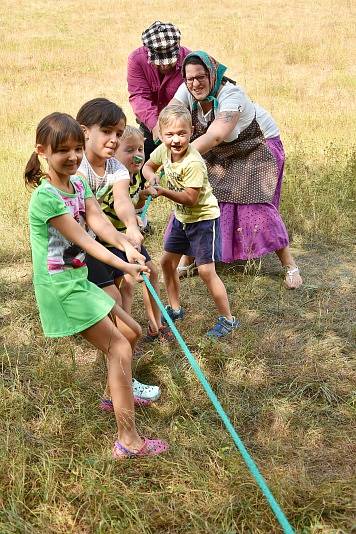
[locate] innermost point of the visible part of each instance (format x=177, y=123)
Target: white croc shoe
x=144, y=391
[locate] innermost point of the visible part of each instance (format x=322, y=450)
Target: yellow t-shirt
x=190, y=171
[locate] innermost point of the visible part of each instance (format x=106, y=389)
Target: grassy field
x=286, y=379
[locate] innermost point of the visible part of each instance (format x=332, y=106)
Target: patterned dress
x=246, y=177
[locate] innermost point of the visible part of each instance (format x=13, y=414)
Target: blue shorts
x=199, y=239
x=104, y=275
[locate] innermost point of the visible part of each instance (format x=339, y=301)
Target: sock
x=230, y=321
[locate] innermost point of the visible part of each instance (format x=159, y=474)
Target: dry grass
x=286, y=379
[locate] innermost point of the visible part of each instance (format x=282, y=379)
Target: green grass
x=320, y=194
x=285, y=380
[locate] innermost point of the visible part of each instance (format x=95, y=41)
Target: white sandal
x=187, y=270
x=289, y=279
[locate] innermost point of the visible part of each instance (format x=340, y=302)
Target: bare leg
x=127, y=286
x=169, y=263
x=114, y=293
x=216, y=287
x=293, y=280
x=152, y=310
x=107, y=338
x=126, y=325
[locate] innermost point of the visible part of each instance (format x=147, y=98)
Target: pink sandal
x=106, y=405
x=150, y=447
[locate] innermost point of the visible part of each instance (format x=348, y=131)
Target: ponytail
x=33, y=171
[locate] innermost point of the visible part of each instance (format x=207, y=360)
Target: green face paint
x=137, y=159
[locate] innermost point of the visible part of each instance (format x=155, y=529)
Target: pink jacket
x=149, y=93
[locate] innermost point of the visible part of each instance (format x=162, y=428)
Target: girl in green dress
x=61, y=213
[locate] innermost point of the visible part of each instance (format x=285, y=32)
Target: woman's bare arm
x=219, y=129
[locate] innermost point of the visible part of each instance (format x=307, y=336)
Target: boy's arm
x=125, y=211
x=149, y=172
x=188, y=197
x=192, y=178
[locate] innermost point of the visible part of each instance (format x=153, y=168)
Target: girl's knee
x=119, y=349
x=128, y=284
x=132, y=331
x=169, y=262
x=154, y=271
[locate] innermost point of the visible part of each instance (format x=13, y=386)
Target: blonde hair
x=174, y=112
x=131, y=131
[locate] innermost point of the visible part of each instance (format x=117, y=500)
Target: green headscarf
x=216, y=73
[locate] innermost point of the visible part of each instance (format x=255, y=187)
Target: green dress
x=68, y=303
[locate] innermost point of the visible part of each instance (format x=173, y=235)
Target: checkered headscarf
x=162, y=40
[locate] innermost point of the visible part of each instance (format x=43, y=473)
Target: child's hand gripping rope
x=153, y=186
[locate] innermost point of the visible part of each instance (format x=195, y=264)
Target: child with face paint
x=130, y=153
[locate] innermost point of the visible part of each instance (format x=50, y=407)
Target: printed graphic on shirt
x=108, y=202
x=189, y=172
x=174, y=182
x=61, y=252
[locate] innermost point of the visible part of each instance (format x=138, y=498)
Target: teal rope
x=283, y=521
x=145, y=207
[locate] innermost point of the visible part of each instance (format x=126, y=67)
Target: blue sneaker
x=173, y=314
x=223, y=327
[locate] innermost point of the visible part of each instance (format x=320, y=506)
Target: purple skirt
x=251, y=230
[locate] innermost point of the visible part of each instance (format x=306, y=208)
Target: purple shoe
x=106, y=405
x=150, y=447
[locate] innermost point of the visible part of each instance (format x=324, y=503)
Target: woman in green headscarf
x=241, y=146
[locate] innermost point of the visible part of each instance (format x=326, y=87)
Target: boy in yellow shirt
x=194, y=230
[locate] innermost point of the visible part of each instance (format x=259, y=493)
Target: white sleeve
x=267, y=124
x=118, y=171
x=233, y=98
x=183, y=95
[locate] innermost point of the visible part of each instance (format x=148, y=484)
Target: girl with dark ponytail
x=51, y=131
x=61, y=211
